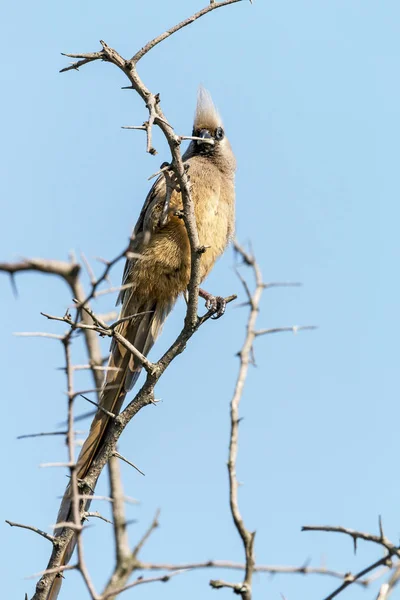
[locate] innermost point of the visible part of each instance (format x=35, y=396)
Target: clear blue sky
x=309, y=93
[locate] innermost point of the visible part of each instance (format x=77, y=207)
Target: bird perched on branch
x=159, y=269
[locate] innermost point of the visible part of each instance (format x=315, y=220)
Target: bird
x=157, y=271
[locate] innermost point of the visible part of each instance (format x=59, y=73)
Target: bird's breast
x=215, y=223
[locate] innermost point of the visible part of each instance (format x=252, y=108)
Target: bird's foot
x=214, y=304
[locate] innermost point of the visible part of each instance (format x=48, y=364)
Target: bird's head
x=209, y=127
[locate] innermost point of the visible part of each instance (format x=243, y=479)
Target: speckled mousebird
x=162, y=272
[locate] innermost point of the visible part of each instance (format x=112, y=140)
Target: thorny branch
x=390, y=550
x=358, y=535
x=244, y=588
x=91, y=325
x=132, y=563
x=270, y=569
x=70, y=272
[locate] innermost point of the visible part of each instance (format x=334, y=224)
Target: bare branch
x=104, y=410
x=45, y=433
x=75, y=66
x=89, y=269
x=67, y=270
x=387, y=588
x=271, y=569
x=139, y=581
x=243, y=589
x=53, y=570
x=52, y=336
x=177, y=27
x=136, y=127
x=118, y=455
x=92, y=325
x=293, y=329
x=96, y=514
x=354, y=578
x=122, y=549
x=391, y=550
x=239, y=588
x=357, y=535
x=127, y=563
x=153, y=525
x=47, y=536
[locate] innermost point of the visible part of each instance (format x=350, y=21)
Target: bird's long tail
x=121, y=375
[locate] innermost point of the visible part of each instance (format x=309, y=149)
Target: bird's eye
x=219, y=133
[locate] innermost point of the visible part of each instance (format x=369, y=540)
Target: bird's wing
x=141, y=330
x=145, y=226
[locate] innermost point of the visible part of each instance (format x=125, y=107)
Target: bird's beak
x=205, y=135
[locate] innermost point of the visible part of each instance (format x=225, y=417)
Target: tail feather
x=142, y=332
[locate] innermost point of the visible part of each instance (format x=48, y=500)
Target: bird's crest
x=206, y=116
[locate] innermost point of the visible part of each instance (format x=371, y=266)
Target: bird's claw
x=216, y=305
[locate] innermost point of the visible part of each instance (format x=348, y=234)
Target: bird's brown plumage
x=161, y=270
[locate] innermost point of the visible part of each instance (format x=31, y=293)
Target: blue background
x=309, y=93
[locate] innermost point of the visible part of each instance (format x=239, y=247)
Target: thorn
x=242, y=304
x=96, y=513
x=253, y=357
x=118, y=455
x=355, y=544
x=107, y=412
x=381, y=528
x=13, y=285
